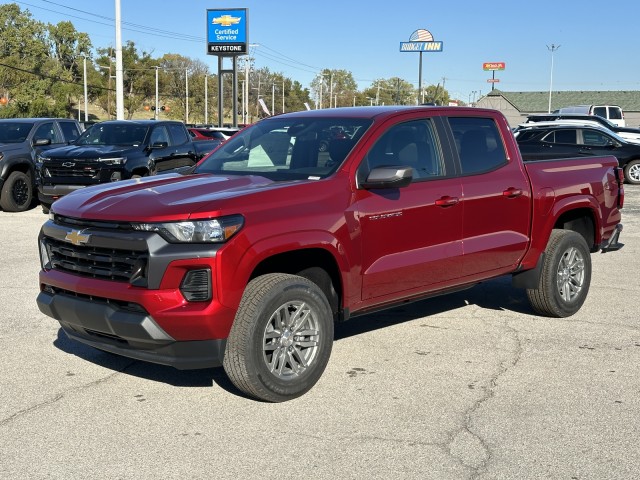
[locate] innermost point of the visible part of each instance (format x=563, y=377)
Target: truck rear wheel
x=565, y=277
x=281, y=338
x=17, y=193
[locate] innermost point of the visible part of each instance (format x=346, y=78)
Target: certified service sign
x=227, y=32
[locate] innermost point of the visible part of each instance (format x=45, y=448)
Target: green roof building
x=517, y=105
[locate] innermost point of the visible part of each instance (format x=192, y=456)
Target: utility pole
x=155, y=112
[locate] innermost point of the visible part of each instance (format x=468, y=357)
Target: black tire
x=271, y=354
x=632, y=172
x=565, y=277
x=17, y=193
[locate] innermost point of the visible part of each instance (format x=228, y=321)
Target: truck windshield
x=14, y=132
x=287, y=148
x=113, y=134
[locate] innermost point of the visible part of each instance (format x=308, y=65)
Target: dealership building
x=517, y=105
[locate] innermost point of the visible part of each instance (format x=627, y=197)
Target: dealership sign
x=421, y=41
x=227, y=32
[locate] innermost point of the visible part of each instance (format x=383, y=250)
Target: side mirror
x=388, y=177
x=157, y=145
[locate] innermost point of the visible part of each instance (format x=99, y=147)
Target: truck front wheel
x=17, y=193
x=565, y=277
x=281, y=338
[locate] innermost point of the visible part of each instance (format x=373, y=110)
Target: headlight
x=197, y=231
x=113, y=161
x=41, y=158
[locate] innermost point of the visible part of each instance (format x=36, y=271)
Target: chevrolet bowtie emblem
x=68, y=164
x=226, y=20
x=77, y=237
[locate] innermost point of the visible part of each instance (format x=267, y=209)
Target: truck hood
x=159, y=198
x=10, y=147
x=90, y=151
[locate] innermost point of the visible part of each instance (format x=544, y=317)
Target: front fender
x=236, y=262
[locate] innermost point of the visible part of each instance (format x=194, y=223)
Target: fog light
x=115, y=176
x=196, y=285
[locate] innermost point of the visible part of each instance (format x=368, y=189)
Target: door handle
x=447, y=201
x=512, y=192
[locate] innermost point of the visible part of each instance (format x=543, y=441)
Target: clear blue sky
x=598, y=40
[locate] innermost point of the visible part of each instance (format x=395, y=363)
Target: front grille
x=101, y=263
x=78, y=170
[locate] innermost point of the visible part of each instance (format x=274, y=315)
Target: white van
x=613, y=113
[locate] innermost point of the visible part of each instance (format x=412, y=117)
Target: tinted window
x=47, y=131
x=178, y=134
x=13, y=132
x=479, y=144
x=615, y=113
x=591, y=137
x=566, y=136
x=159, y=134
x=600, y=111
x=70, y=130
x=128, y=134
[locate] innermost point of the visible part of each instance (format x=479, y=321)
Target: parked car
x=21, y=140
x=116, y=150
x=247, y=260
x=551, y=140
x=198, y=134
x=612, y=113
x=628, y=133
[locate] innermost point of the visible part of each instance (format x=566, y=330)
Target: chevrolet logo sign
x=77, y=237
x=226, y=20
x=68, y=164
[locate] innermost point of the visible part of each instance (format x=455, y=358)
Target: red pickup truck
x=247, y=259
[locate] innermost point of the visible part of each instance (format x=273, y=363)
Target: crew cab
x=116, y=150
x=21, y=140
x=247, y=259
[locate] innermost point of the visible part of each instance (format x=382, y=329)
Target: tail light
x=620, y=175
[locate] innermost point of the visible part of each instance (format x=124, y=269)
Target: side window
x=589, y=137
x=600, y=111
x=566, y=136
x=159, y=134
x=615, y=113
x=69, y=130
x=178, y=134
x=479, y=144
x=47, y=131
x=413, y=144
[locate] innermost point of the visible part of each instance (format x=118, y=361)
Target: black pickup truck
x=21, y=140
x=116, y=150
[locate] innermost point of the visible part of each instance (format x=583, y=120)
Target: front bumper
x=127, y=333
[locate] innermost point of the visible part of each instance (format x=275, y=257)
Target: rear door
x=496, y=198
x=183, y=150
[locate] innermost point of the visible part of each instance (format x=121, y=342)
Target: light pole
x=155, y=111
x=552, y=48
x=86, y=96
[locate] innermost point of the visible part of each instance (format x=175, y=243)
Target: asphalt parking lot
x=468, y=386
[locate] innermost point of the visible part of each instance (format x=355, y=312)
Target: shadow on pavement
x=496, y=294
